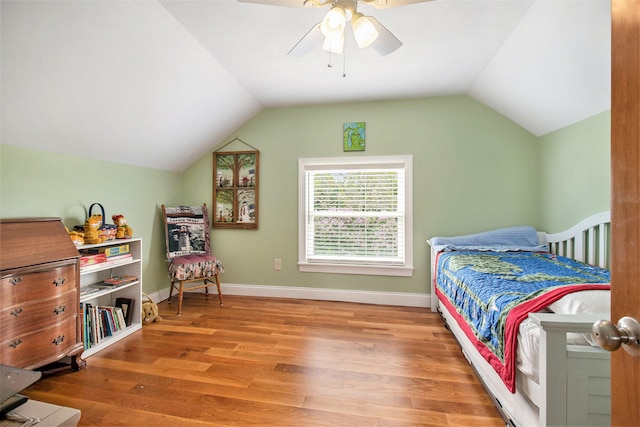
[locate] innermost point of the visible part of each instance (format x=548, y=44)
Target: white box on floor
x=49, y=415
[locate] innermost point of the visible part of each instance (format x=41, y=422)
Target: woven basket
x=106, y=231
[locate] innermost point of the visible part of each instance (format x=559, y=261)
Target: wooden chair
x=190, y=263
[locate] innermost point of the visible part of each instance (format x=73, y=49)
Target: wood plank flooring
x=278, y=362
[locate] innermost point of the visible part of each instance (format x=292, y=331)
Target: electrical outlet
x=277, y=264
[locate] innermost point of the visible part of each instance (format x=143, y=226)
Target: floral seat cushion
x=190, y=267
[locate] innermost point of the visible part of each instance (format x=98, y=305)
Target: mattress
x=491, y=293
x=585, y=302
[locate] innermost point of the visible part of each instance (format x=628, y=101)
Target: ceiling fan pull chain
x=344, y=64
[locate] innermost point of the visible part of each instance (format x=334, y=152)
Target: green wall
x=575, y=172
x=473, y=170
x=41, y=184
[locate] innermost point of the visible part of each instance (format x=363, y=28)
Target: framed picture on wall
x=235, y=189
x=353, y=136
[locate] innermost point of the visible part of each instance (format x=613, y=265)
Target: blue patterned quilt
x=492, y=292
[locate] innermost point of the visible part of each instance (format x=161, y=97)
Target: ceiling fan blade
x=386, y=4
x=386, y=42
x=291, y=3
x=379, y=4
x=285, y=3
x=308, y=42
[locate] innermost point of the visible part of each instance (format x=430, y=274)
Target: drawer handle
x=59, y=281
x=15, y=343
x=58, y=340
x=15, y=280
x=16, y=311
x=60, y=309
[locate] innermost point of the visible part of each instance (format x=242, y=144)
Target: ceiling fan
x=367, y=31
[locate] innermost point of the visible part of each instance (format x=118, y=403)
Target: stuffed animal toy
x=149, y=310
x=91, y=229
x=123, y=231
x=77, y=237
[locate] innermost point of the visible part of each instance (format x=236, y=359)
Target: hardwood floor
x=278, y=362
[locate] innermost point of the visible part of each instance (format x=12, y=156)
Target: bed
x=531, y=346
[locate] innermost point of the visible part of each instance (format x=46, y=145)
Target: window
x=355, y=215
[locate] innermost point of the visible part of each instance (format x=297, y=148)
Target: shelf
x=106, y=265
x=116, y=242
x=111, y=340
x=106, y=290
x=95, y=274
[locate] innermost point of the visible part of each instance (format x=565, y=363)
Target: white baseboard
x=365, y=297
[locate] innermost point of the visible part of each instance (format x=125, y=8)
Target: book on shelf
x=109, y=251
x=88, y=259
x=111, y=261
x=119, y=257
x=119, y=280
x=100, y=322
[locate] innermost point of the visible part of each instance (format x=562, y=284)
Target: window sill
x=371, y=270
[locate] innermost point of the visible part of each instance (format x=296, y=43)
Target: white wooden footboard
x=576, y=378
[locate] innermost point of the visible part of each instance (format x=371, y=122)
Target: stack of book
x=96, y=258
x=100, y=323
x=118, y=280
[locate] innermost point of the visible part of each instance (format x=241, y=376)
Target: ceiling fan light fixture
x=334, y=44
x=364, y=31
x=334, y=22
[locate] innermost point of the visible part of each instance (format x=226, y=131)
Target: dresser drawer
x=20, y=319
x=37, y=348
x=18, y=288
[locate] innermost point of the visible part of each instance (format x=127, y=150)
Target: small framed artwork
x=126, y=305
x=354, y=136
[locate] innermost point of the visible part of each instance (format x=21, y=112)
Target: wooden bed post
x=553, y=373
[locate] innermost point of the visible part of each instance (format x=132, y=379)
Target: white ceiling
x=165, y=81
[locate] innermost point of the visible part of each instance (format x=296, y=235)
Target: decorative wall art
x=235, y=189
x=353, y=136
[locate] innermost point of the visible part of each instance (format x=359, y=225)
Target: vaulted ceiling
x=165, y=81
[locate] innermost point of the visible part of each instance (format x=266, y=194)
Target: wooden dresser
x=39, y=294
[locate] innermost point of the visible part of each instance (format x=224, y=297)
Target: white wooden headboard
x=588, y=241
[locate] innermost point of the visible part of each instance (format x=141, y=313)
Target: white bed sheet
x=528, y=349
x=584, y=302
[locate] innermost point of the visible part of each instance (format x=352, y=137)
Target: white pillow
x=583, y=302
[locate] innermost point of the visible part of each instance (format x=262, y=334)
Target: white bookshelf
x=106, y=296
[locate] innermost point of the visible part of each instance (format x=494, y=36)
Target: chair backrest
x=186, y=230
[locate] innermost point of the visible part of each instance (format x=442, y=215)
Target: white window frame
x=401, y=269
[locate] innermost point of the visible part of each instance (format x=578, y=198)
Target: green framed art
x=354, y=136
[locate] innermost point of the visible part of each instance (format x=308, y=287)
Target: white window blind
x=355, y=212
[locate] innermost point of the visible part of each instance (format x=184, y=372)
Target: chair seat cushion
x=190, y=267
